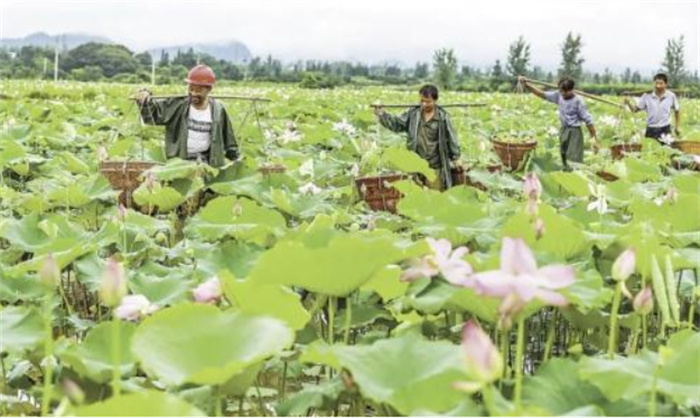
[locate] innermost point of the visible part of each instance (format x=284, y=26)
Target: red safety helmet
x=201, y=75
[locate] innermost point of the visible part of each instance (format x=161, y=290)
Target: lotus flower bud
x=112, y=284
x=624, y=265
x=50, y=273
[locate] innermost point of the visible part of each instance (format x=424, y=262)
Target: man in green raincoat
x=196, y=126
x=430, y=134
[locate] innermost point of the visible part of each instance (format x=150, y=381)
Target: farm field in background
x=269, y=287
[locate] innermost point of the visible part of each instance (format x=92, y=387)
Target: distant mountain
x=233, y=51
x=65, y=41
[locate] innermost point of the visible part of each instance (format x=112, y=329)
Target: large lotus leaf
x=588, y=291
x=439, y=295
x=301, y=205
x=387, y=283
x=164, y=197
x=265, y=299
x=194, y=343
x=148, y=403
x=162, y=288
x=407, y=161
x=93, y=357
x=21, y=328
x=625, y=378
x=72, y=163
x=180, y=169
x=235, y=256
x=14, y=157
x=409, y=373
x=681, y=216
x=561, y=237
x=567, y=393
x=574, y=183
x=456, y=208
x=241, y=218
x=687, y=183
x=323, y=395
x=337, y=269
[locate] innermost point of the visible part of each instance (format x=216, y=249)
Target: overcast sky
x=616, y=34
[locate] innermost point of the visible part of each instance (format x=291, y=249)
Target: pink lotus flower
x=134, y=307
x=50, y=273
x=624, y=265
x=112, y=284
x=532, y=186
x=442, y=261
x=480, y=355
x=150, y=181
x=208, y=292
x=519, y=280
x=121, y=212
x=643, y=303
x=483, y=362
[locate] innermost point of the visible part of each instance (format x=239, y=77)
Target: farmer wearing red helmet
x=196, y=126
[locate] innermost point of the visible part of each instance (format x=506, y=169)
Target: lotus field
x=270, y=287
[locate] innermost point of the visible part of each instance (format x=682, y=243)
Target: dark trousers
x=571, y=145
x=656, y=133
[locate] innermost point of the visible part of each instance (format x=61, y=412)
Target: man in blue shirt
x=572, y=113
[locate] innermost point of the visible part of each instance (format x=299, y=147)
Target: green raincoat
x=173, y=112
x=448, y=145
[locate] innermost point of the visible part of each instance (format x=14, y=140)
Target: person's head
x=660, y=82
x=200, y=81
x=428, y=97
x=566, y=87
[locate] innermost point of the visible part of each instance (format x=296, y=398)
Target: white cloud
x=616, y=34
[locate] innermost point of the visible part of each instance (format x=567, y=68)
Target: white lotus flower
x=667, y=139
x=288, y=136
x=307, y=169
x=355, y=170
x=310, y=189
x=269, y=134
x=608, y=120
x=599, y=204
x=345, y=128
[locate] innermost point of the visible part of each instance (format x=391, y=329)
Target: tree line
x=113, y=62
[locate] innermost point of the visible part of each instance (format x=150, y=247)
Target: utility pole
x=55, y=63
x=153, y=71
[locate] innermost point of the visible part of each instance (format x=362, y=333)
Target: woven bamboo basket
x=618, y=151
x=513, y=155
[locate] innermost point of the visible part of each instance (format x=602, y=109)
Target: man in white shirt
x=197, y=127
x=658, y=105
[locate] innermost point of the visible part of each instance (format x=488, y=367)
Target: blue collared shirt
x=658, y=108
x=572, y=111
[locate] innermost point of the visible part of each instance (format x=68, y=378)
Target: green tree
x=571, y=59
x=421, y=71
x=112, y=59
x=497, y=76
x=674, y=61
x=445, y=64
x=518, y=58
x=144, y=58
x=87, y=73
